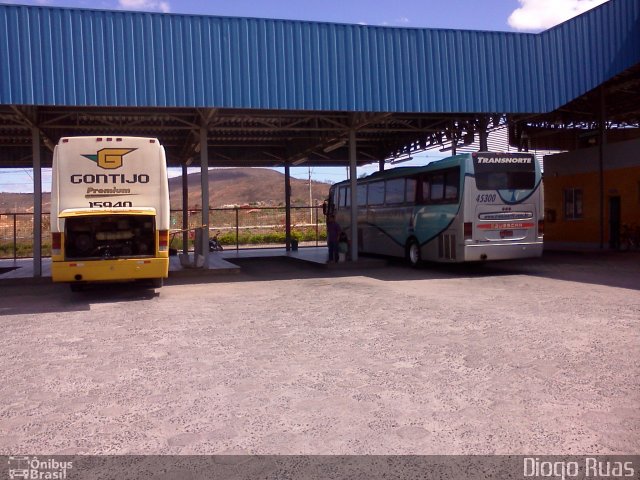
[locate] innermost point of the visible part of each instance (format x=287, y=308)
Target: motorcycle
x=214, y=244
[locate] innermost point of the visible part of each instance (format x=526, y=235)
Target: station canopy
x=275, y=92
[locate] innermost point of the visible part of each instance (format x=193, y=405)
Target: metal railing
x=236, y=227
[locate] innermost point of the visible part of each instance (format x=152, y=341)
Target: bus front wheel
x=413, y=253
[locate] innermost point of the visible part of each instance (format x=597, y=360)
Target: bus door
x=374, y=238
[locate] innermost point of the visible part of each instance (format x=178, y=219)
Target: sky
x=492, y=15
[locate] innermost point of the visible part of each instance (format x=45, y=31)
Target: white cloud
x=147, y=5
x=543, y=14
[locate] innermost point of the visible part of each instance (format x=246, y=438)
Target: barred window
x=572, y=203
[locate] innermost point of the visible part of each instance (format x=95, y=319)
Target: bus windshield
x=504, y=172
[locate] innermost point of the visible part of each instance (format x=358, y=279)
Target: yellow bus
x=109, y=210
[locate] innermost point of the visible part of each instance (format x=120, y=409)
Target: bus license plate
x=506, y=233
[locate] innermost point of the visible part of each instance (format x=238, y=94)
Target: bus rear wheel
x=413, y=253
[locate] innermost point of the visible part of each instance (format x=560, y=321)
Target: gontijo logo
x=109, y=158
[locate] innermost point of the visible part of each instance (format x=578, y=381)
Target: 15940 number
x=109, y=204
x=486, y=198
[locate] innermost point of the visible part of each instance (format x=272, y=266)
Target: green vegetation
x=248, y=237
x=262, y=237
x=23, y=249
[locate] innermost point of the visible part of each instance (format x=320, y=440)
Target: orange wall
x=622, y=182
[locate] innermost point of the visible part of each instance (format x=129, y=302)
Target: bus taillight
x=541, y=227
x=56, y=243
x=163, y=240
x=468, y=230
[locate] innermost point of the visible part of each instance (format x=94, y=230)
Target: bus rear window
x=109, y=236
x=504, y=171
x=506, y=180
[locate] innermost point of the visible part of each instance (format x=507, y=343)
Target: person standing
x=343, y=247
x=333, y=234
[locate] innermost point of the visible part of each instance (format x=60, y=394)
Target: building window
x=572, y=203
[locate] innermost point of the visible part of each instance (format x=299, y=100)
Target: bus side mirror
x=325, y=207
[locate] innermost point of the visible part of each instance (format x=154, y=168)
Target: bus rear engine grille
x=447, y=246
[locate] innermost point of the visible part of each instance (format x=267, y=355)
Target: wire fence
x=239, y=228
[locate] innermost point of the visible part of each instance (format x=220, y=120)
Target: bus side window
x=345, y=197
x=376, y=193
x=362, y=194
x=394, y=191
x=410, y=194
x=437, y=188
x=452, y=184
x=426, y=189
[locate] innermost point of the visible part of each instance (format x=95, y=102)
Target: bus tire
x=157, y=282
x=413, y=253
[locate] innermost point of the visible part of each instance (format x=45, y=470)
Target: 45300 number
x=486, y=198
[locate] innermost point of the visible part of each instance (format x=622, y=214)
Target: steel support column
x=287, y=203
x=454, y=138
x=483, y=124
x=185, y=210
x=353, y=175
x=602, y=141
x=204, y=183
x=37, y=202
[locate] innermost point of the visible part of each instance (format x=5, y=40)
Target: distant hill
x=22, y=202
x=241, y=186
x=227, y=186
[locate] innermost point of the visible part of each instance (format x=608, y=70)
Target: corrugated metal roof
x=584, y=52
x=62, y=56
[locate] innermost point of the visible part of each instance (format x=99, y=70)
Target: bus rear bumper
x=501, y=251
x=109, y=270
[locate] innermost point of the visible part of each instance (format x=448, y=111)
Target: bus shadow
x=618, y=270
x=610, y=268
x=58, y=298
x=384, y=269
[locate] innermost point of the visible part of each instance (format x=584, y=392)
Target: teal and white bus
x=470, y=207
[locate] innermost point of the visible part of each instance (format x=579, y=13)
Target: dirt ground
x=536, y=357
